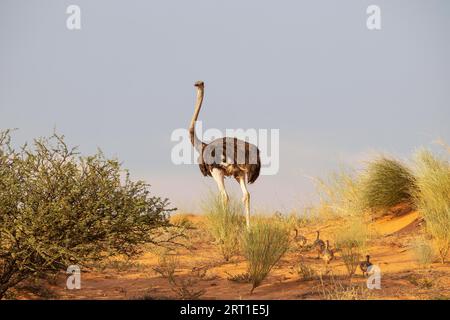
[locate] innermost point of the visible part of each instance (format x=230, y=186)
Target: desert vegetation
x=92, y=214
x=263, y=246
x=225, y=224
x=58, y=208
x=351, y=238
x=433, y=198
x=385, y=183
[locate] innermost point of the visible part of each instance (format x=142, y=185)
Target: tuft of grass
x=433, y=198
x=185, y=288
x=423, y=251
x=305, y=272
x=239, y=278
x=386, y=183
x=225, y=223
x=340, y=194
x=422, y=282
x=334, y=289
x=167, y=264
x=351, y=239
x=263, y=246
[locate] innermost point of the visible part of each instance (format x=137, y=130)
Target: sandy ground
x=201, y=267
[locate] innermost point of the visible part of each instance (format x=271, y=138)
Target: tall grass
x=385, y=183
x=340, y=194
x=423, y=251
x=433, y=198
x=225, y=223
x=263, y=246
x=351, y=239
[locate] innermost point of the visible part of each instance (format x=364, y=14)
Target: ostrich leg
x=218, y=176
x=245, y=199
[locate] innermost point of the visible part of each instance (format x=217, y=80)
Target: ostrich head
x=200, y=84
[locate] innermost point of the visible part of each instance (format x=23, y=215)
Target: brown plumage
x=327, y=253
x=318, y=245
x=226, y=157
x=231, y=150
x=365, y=265
x=299, y=238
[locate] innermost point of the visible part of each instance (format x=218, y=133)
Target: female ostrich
x=226, y=157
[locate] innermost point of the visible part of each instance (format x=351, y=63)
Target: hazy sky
x=312, y=69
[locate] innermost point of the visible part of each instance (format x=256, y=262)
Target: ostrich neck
x=195, y=141
x=198, y=106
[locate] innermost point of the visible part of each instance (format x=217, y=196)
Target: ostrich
x=225, y=157
x=365, y=265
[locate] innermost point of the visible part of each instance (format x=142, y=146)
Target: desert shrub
x=351, y=240
x=334, y=289
x=58, y=208
x=184, y=287
x=423, y=251
x=304, y=271
x=167, y=264
x=225, y=223
x=386, y=183
x=339, y=194
x=433, y=198
x=263, y=246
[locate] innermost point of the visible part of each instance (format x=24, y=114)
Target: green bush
x=386, y=183
x=263, y=246
x=225, y=223
x=58, y=208
x=433, y=198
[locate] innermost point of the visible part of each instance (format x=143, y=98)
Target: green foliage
x=386, y=183
x=225, y=223
x=433, y=198
x=58, y=208
x=264, y=245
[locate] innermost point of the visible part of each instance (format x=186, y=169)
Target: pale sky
x=335, y=90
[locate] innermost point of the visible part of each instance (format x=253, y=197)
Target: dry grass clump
x=423, y=251
x=351, y=239
x=184, y=288
x=305, y=272
x=340, y=194
x=167, y=264
x=334, y=289
x=225, y=224
x=433, y=198
x=239, y=278
x=386, y=183
x=263, y=246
